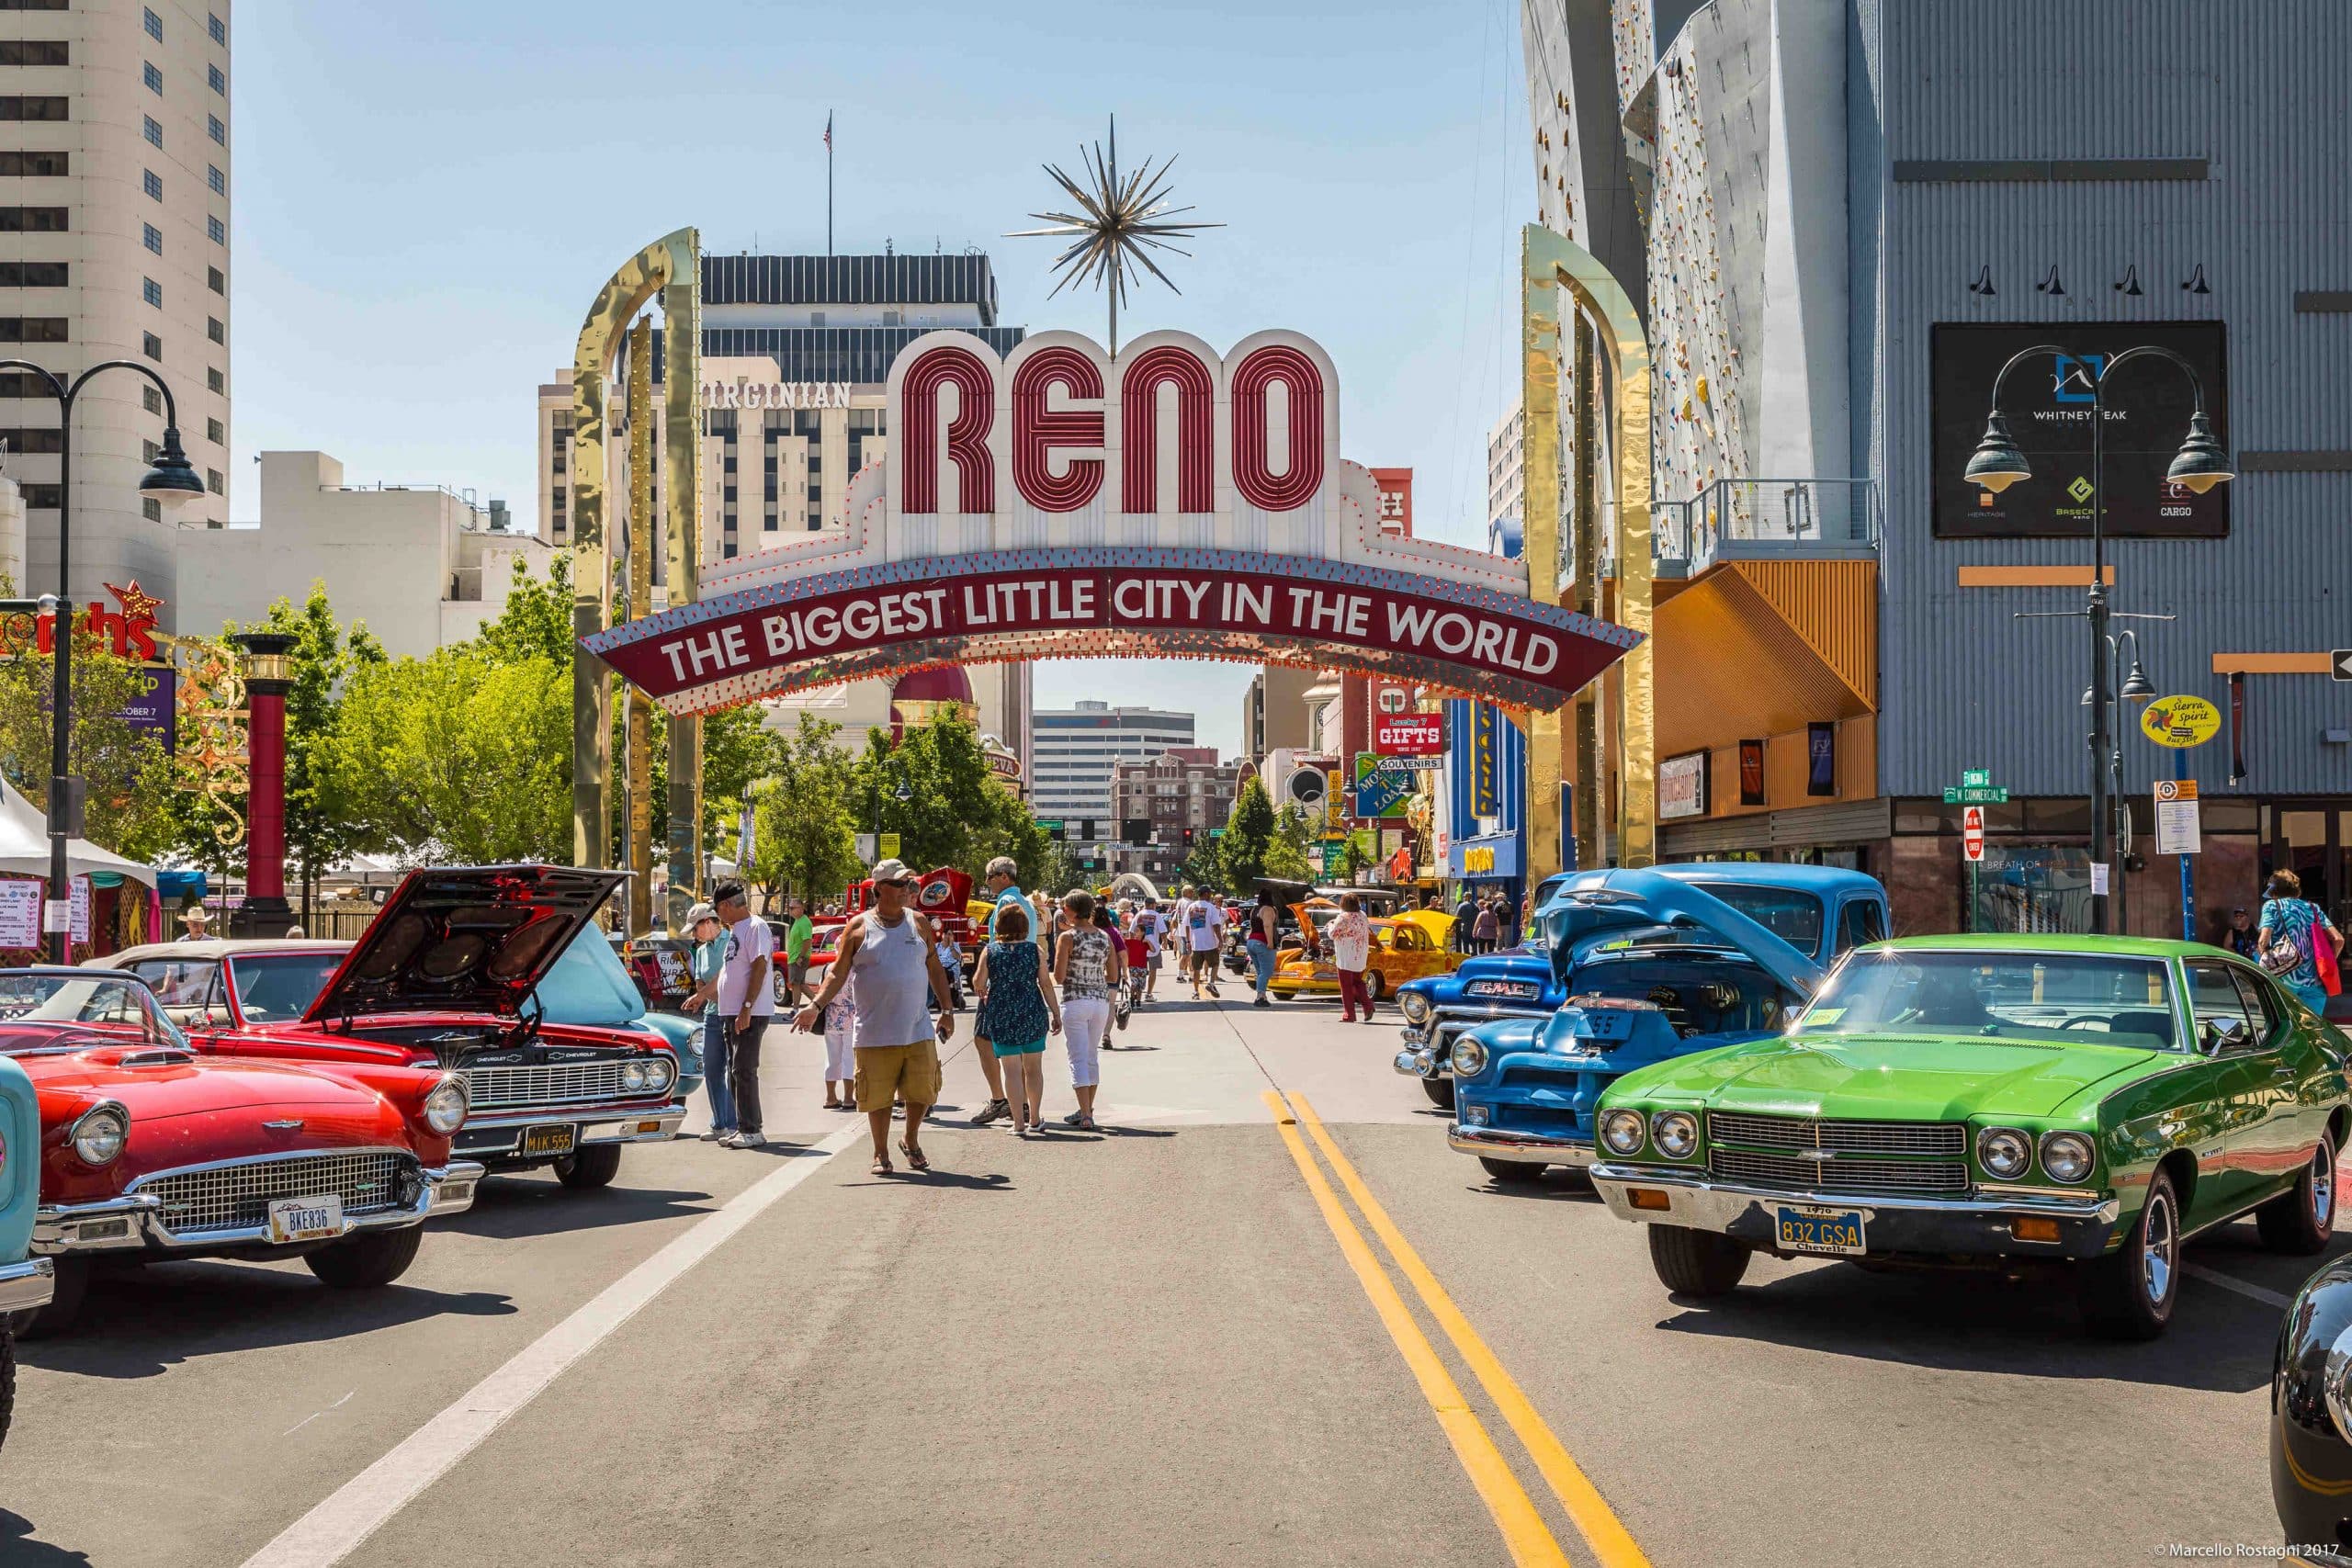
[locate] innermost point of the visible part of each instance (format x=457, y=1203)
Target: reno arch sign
x=1058, y=503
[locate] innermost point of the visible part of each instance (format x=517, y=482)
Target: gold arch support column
x=681, y=496
x=1561, y=281
x=639, y=579
x=672, y=264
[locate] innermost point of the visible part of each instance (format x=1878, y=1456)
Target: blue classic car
x=1819, y=910
x=25, y=1281
x=1653, y=967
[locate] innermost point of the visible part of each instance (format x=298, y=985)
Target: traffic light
x=1188, y=838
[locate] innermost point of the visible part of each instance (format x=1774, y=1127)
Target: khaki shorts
x=887, y=1073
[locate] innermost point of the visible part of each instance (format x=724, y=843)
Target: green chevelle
x=1993, y=1102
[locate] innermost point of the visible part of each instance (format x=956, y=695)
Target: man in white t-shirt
x=1200, y=927
x=1152, y=926
x=746, y=1002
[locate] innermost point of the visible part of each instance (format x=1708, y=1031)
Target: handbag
x=2283, y=955
x=2326, y=955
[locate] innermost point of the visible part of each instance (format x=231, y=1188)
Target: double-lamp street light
x=2200, y=464
x=170, y=480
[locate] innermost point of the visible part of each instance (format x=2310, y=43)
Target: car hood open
x=468, y=939
x=1592, y=902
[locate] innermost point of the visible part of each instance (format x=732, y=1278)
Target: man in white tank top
x=887, y=958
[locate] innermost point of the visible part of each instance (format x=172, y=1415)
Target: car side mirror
x=2216, y=1035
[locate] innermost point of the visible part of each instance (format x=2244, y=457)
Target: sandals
x=916, y=1158
x=882, y=1167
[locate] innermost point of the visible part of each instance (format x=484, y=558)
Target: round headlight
x=1622, y=1131
x=1677, y=1132
x=2005, y=1152
x=1469, y=1059
x=658, y=1074
x=444, y=1108
x=99, y=1135
x=632, y=1074
x=1416, y=1007
x=2066, y=1157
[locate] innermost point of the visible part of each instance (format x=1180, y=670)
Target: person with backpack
x=2297, y=942
x=1199, y=925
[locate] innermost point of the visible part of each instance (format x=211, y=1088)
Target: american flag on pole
x=829, y=130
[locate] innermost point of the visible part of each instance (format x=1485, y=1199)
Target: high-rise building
x=1274, y=713
x=1506, y=465
x=114, y=200
x=1072, y=751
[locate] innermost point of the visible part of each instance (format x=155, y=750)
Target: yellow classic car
x=1406, y=947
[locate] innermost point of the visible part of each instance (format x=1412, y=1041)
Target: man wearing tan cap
x=887, y=957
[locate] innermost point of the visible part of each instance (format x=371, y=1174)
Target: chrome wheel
x=2160, y=1239
x=2323, y=1185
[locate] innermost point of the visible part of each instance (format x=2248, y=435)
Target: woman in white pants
x=1087, y=965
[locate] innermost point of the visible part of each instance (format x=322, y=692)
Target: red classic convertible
x=445, y=976
x=150, y=1151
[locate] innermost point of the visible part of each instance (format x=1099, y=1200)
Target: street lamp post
x=2201, y=464
x=171, y=480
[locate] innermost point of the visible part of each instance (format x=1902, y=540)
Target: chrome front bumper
x=134, y=1222
x=27, y=1285
x=1976, y=1225
x=1428, y=1046
x=1524, y=1148
x=502, y=1133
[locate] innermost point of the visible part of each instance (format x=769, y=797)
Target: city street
x=1265, y=1316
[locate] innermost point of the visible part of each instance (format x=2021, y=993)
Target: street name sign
x=1976, y=788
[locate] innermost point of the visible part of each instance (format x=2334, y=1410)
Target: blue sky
x=428, y=193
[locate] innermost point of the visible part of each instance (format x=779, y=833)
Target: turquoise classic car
x=25, y=1281
x=2081, y=1104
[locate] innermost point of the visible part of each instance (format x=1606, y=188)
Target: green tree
x=1286, y=850
x=805, y=838
x=1249, y=834
x=1357, y=852
x=536, y=622
x=957, y=811
x=128, y=802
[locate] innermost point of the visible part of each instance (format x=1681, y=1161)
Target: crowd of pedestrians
x=1485, y=922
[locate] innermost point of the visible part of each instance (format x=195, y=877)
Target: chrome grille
x=1846, y=1174
x=562, y=1083
x=237, y=1197
x=1945, y=1139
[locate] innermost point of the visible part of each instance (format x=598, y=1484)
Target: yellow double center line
x=1524, y=1532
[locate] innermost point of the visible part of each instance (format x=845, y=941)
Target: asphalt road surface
x=1266, y=1316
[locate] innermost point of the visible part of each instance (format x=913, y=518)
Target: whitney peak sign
x=1056, y=502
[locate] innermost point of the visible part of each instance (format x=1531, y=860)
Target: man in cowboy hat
x=197, y=918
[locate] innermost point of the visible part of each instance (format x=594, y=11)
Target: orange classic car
x=1405, y=947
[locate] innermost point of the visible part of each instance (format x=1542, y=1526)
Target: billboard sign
x=2048, y=402
x=1682, y=786
x=1380, y=791
x=1408, y=735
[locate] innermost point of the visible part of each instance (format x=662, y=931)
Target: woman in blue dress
x=1018, y=1009
x=2287, y=918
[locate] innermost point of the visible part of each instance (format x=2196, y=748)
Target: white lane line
x=315, y=1414
x=359, y=1507
x=2214, y=1277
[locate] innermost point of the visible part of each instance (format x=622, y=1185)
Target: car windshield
x=1700, y=993
x=2057, y=996
x=1794, y=917
x=276, y=987
x=29, y=1000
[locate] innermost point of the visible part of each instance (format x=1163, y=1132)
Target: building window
x=32, y=221
x=154, y=27
x=154, y=184
x=217, y=231
x=212, y=24
x=154, y=132
x=218, y=131
x=153, y=78
x=212, y=480
x=215, y=280
x=32, y=108
x=220, y=84
x=149, y=452
x=32, y=275
x=43, y=498
x=39, y=165
x=216, y=179
x=151, y=400
x=559, y=493
x=33, y=439
x=31, y=51
x=152, y=290
x=214, y=330
x=32, y=329
x=151, y=509
x=155, y=239
x=215, y=381
x=216, y=432
x=152, y=346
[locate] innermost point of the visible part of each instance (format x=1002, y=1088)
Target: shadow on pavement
x=1554, y=1186
x=145, y=1321
x=903, y=1177
x=16, y=1548
x=1969, y=1322
x=511, y=1208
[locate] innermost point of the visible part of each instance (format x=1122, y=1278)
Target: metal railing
x=1828, y=513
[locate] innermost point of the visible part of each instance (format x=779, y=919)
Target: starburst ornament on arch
x=1119, y=218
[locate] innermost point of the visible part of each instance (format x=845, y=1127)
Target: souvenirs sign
x=1056, y=502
